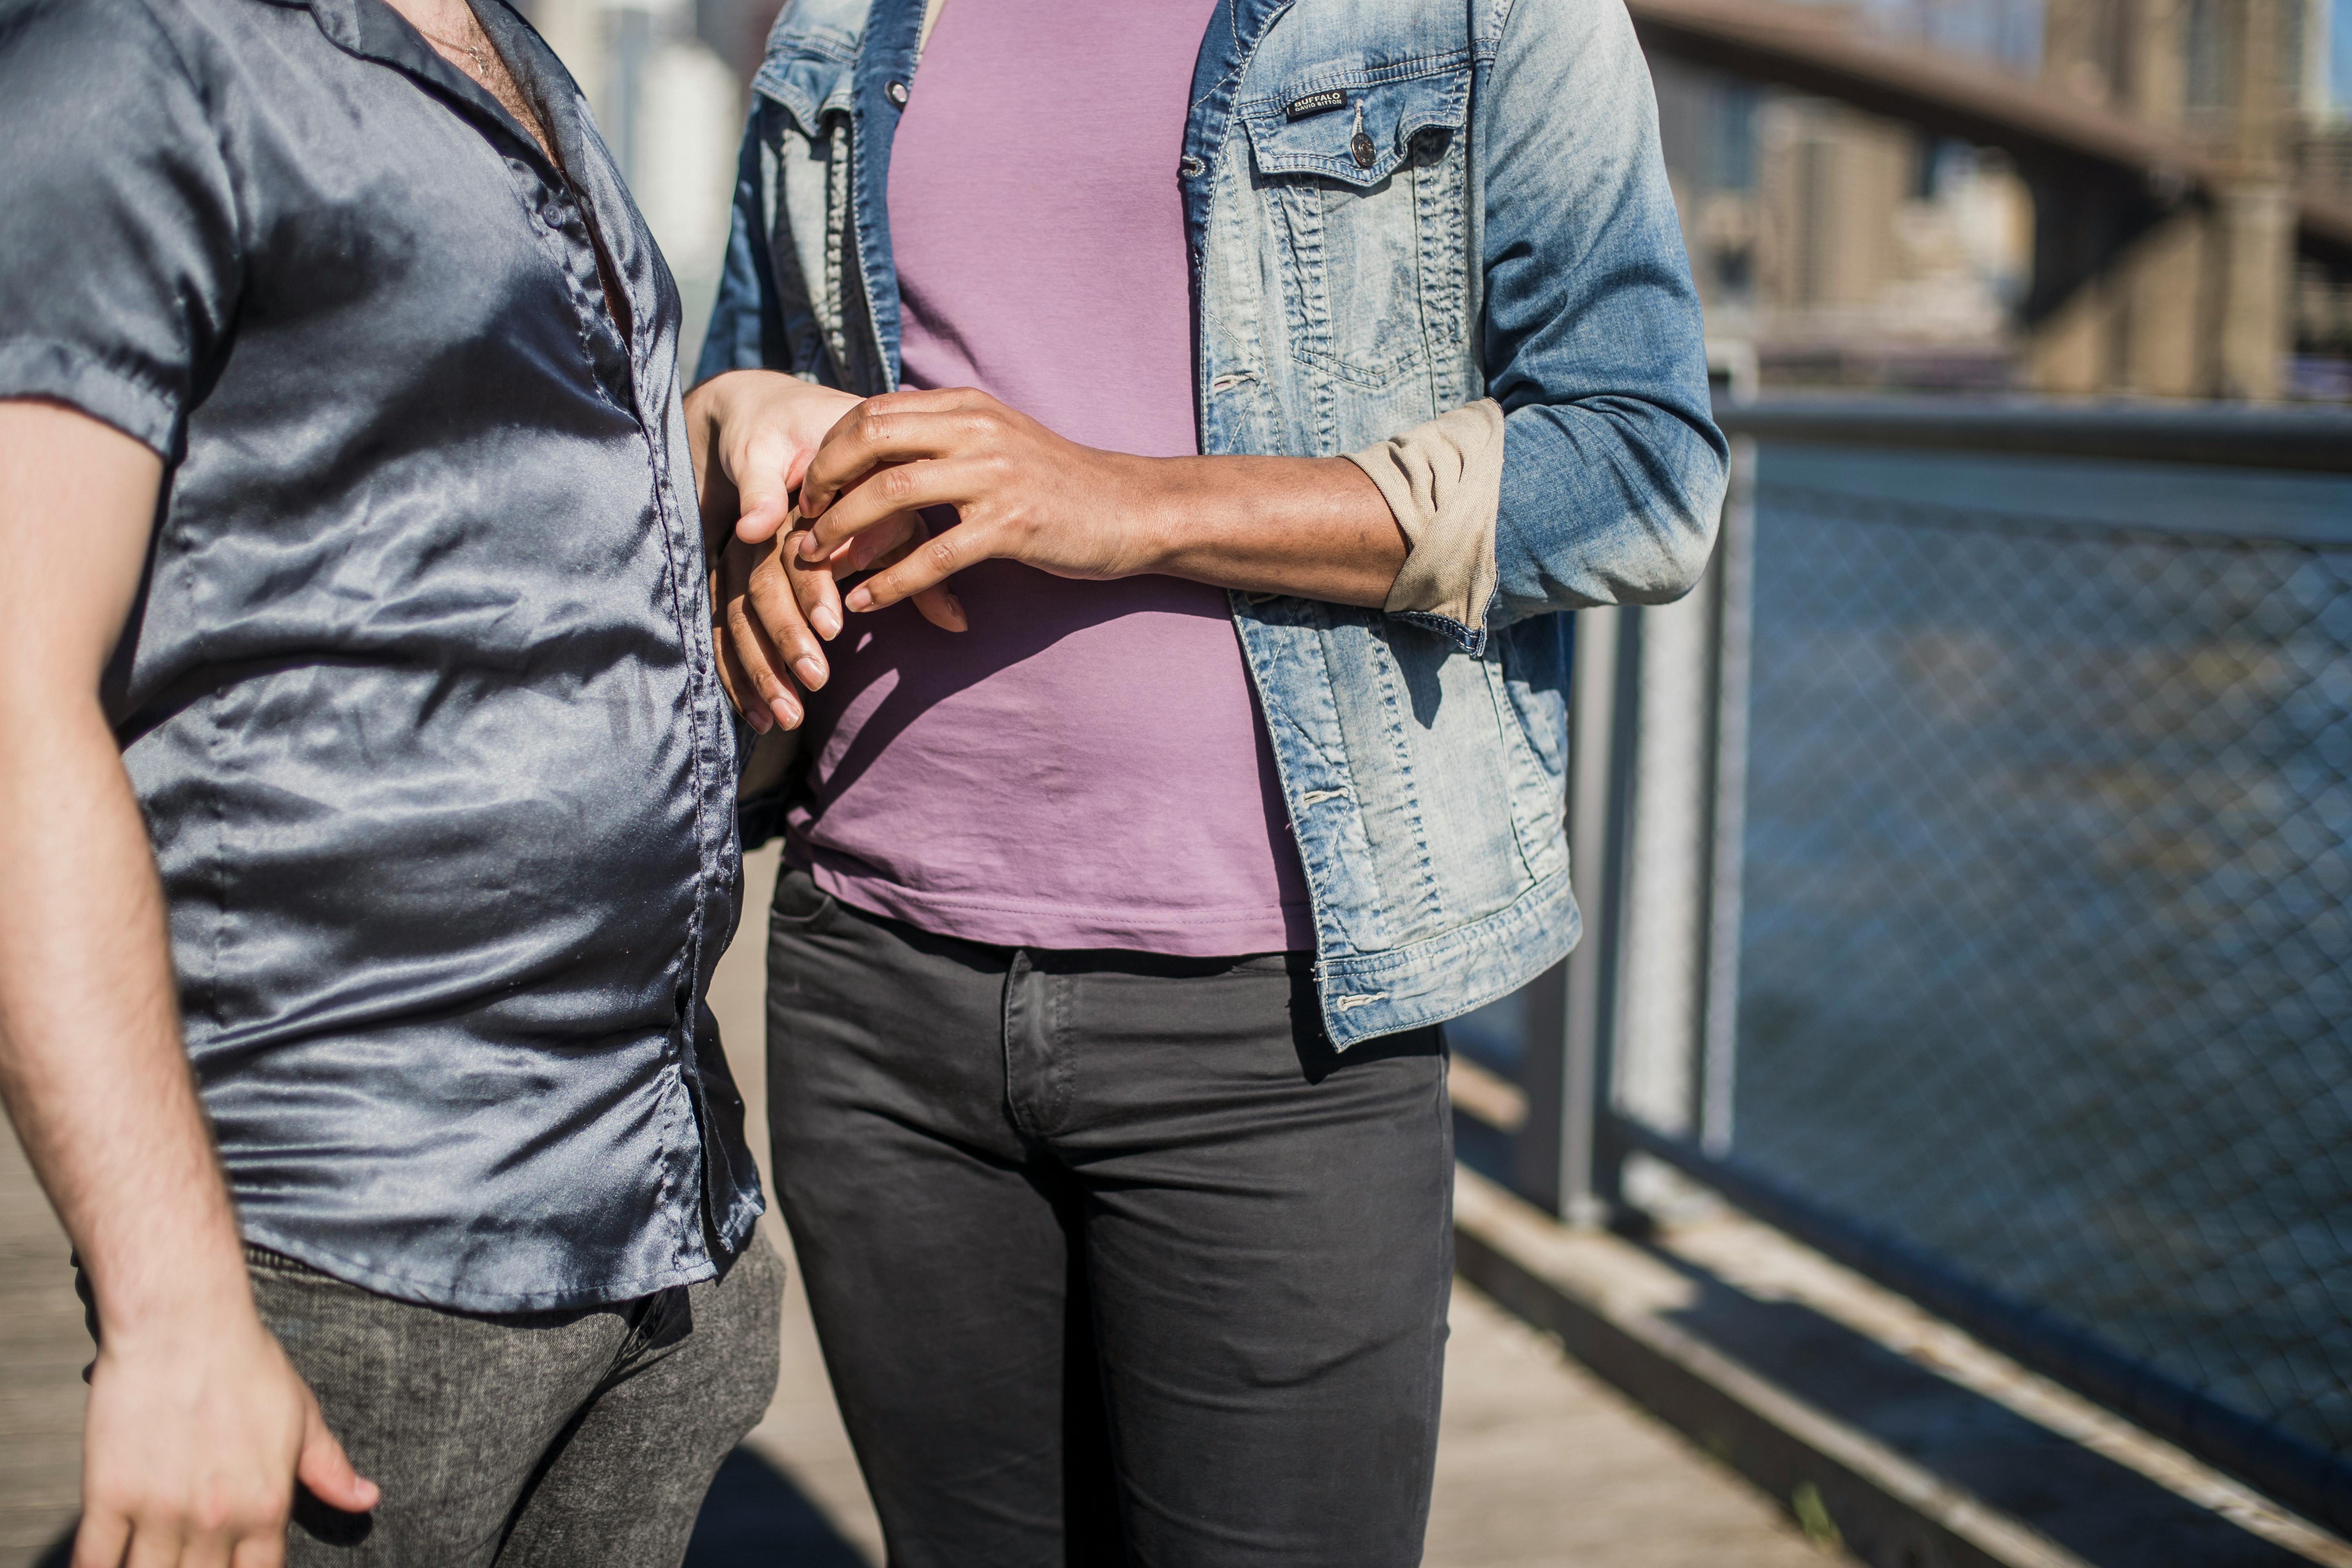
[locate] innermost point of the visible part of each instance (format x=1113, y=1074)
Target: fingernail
x=828, y=621
x=759, y=721
x=809, y=548
x=859, y=601
x=955, y=608
x=788, y=713
x=811, y=669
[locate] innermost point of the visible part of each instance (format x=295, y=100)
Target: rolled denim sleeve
x=1443, y=479
x=1612, y=468
x=118, y=219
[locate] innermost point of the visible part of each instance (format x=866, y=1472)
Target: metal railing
x=1968, y=878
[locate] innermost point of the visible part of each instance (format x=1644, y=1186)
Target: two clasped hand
x=753, y=435
x=804, y=488
x=1021, y=492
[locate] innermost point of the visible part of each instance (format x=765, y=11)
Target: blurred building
x=1855, y=250
x=2210, y=298
x=667, y=80
x=2323, y=301
x=1847, y=249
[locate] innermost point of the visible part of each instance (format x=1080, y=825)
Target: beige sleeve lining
x=1444, y=483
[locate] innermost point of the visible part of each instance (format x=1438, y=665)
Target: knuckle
x=896, y=484
x=773, y=596
x=939, y=555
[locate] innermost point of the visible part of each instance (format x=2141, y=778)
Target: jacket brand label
x=1317, y=103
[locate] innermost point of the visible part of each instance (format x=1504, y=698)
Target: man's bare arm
x=197, y=1424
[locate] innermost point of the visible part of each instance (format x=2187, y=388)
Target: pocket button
x=1366, y=153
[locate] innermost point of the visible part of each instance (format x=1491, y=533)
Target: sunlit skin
x=197, y=1426
x=821, y=487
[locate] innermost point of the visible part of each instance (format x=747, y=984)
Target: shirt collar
x=372, y=30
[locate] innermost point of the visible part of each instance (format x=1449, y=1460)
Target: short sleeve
x=117, y=217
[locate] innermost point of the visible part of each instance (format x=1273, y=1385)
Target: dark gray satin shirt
x=418, y=695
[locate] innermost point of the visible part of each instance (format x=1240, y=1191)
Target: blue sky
x=2339, y=55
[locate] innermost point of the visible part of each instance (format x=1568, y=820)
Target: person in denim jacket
x=1162, y=446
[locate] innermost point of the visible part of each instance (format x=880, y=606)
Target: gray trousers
x=569, y=1439
x=1113, y=1259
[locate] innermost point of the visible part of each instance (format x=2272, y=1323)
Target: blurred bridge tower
x=2177, y=168
x=2164, y=292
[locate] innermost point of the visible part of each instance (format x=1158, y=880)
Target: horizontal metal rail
x=2241, y=436
x=2316, y=1484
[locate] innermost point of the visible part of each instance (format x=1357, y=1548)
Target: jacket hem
x=1370, y=995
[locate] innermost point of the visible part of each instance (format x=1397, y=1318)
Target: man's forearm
x=197, y=1426
x=91, y=1063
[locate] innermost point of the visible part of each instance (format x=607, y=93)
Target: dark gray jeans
x=570, y=1439
x=1112, y=1259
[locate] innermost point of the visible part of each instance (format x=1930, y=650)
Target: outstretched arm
x=198, y=1425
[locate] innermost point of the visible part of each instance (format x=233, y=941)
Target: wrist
x=1163, y=497
x=706, y=405
x=173, y=1295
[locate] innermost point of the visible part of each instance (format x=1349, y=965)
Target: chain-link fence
x=2042, y=885
x=2048, y=922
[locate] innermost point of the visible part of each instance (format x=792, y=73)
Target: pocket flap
x=810, y=74
x=1310, y=126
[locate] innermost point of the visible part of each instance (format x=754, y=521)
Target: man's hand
x=194, y=1438
x=753, y=435
x=1314, y=527
x=197, y=1426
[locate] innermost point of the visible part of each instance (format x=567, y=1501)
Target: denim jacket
x=1481, y=212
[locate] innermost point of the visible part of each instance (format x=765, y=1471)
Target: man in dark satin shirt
x=364, y=755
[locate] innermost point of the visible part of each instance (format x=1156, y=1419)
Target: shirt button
x=1191, y=168
x=897, y=93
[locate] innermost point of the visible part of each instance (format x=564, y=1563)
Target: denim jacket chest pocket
x=1360, y=169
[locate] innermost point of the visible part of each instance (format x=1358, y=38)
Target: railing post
x=1604, y=706
x=1535, y=1151
x=1731, y=590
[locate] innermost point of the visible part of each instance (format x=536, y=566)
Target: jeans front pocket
x=800, y=905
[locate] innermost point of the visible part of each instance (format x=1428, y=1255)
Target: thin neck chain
x=472, y=52
x=491, y=72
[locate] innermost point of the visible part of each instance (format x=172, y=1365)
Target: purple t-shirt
x=1085, y=767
